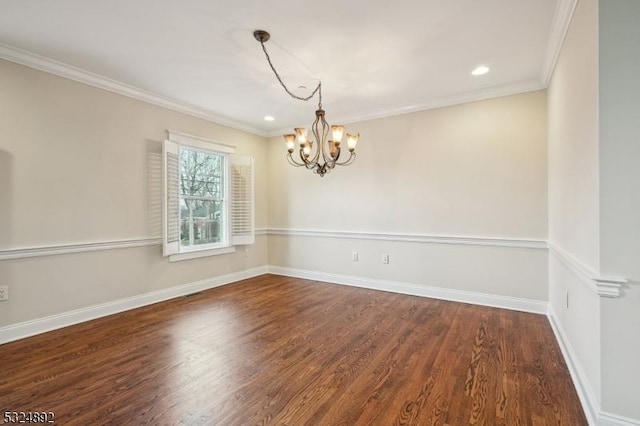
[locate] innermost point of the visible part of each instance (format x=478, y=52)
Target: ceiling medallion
x=320, y=156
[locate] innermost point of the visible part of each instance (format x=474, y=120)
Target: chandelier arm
x=331, y=163
x=303, y=161
x=309, y=164
x=337, y=157
x=326, y=155
x=349, y=160
x=319, y=147
x=316, y=155
x=318, y=88
x=320, y=129
x=293, y=162
x=302, y=157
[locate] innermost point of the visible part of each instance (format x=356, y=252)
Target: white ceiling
x=375, y=57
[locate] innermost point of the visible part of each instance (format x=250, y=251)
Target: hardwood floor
x=277, y=350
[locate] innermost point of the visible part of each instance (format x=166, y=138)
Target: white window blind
x=242, y=200
x=171, y=200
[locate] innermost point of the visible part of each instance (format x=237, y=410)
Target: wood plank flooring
x=285, y=351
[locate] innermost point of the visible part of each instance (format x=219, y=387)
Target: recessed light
x=268, y=118
x=480, y=70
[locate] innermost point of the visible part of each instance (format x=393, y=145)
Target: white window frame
x=185, y=141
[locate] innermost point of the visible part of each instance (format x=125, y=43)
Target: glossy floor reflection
x=277, y=350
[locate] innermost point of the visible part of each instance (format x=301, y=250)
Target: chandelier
x=322, y=155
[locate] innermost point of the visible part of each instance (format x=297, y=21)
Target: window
x=208, y=202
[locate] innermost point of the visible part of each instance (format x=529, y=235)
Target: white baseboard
x=53, y=322
x=41, y=325
x=496, y=301
x=608, y=419
x=590, y=403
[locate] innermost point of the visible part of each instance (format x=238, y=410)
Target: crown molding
x=559, y=28
x=604, y=286
x=462, y=98
x=60, y=69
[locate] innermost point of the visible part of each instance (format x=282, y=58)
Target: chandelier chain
x=318, y=88
x=324, y=154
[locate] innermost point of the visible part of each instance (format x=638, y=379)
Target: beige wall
x=573, y=140
x=573, y=188
x=518, y=273
x=83, y=165
x=52, y=285
x=477, y=169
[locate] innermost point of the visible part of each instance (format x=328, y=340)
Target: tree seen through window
x=201, y=197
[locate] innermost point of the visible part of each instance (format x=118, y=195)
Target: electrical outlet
x=246, y=252
x=385, y=259
x=4, y=292
x=354, y=256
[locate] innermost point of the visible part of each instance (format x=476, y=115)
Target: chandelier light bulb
x=290, y=141
x=337, y=132
x=301, y=132
x=352, y=141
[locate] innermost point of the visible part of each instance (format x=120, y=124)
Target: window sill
x=201, y=253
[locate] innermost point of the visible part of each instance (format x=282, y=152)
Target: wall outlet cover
x=4, y=292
